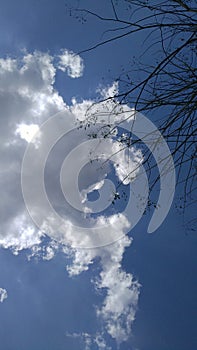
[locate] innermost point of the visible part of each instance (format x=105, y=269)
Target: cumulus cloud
x=3, y=294
x=122, y=291
x=28, y=98
x=72, y=63
x=20, y=234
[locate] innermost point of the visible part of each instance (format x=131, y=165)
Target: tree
x=169, y=85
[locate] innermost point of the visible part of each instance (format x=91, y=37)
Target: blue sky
x=53, y=296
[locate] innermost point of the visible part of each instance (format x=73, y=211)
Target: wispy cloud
x=90, y=340
x=3, y=294
x=71, y=63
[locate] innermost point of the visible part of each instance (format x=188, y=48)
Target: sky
x=77, y=271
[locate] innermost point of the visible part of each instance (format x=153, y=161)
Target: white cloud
x=72, y=63
x=109, y=91
x=122, y=291
x=3, y=294
x=45, y=251
x=28, y=98
x=100, y=342
x=50, y=250
x=20, y=234
x=126, y=162
x=84, y=337
x=90, y=340
x=27, y=132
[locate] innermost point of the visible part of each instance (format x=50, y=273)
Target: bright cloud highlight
x=72, y=63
